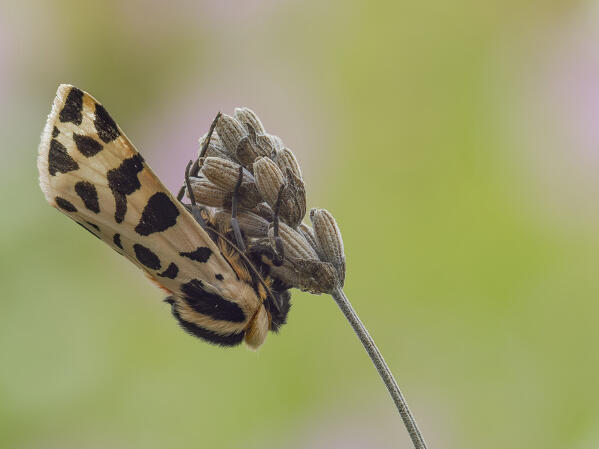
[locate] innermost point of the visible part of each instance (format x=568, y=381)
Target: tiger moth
x=91, y=172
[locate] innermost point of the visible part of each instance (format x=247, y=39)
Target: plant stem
x=384, y=371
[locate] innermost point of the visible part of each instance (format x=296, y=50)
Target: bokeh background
x=456, y=143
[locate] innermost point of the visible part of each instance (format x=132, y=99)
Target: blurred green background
x=456, y=143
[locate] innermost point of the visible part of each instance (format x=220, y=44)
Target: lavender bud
x=313, y=276
x=264, y=210
x=294, y=244
x=293, y=200
x=222, y=172
x=308, y=233
x=249, y=119
x=215, y=143
x=249, y=149
x=230, y=132
x=286, y=160
x=328, y=238
x=269, y=179
x=207, y=193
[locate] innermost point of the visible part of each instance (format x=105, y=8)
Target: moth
x=91, y=172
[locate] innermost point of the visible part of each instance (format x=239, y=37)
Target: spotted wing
x=91, y=172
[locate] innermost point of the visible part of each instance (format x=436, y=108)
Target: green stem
x=381, y=366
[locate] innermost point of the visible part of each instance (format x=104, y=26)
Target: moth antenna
x=279, y=251
x=195, y=210
x=209, y=135
x=195, y=168
x=181, y=193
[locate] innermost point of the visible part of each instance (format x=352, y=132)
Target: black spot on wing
x=88, y=194
x=65, y=205
x=55, y=132
x=116, y=238
x=171, y=272
x=200, y=254
x=203, y=333
x=88, y=146
x=71, y=111
x=146, y=257
x=105, y=125
x=120, y=206
x=59, y=160
x=158, y=215
x=210, y=304
x=123, y=181
x=93, y=225
x=219, y=276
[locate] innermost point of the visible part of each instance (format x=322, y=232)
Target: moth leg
x=208, y=137
x=195, y=168
x=279, y=251
x=234, y=205
x=195, y=209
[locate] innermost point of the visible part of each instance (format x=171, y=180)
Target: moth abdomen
x=231, y=339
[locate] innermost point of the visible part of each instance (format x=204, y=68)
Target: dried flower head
x=247, y=178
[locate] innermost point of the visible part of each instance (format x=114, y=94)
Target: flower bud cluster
x=240, y=155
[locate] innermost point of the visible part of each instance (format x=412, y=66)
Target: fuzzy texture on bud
x=230, y=132
x=294, y=244
x=222, y=172
x=328, y=238
x=311, y=258
x=249, y=149
x=269, y=179
x=251, y=224
x=293, y=200
x=308, y=275
x=249, y=119
x=308, y=233
x=286, y=160
x=207, y=193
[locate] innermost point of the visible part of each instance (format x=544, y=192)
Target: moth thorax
x=257, y=329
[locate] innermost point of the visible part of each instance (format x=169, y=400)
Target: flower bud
x=308, y=233
x=286, y=160
x=269, y=179
x=253, y=225
x=215, y=144
x=328, y=238
x=264, y=210
x=293, y=200
x=249, y=149
x=207, y=193
x=249, y=196
x=295, y=245
x=275, y=142
x=249, y=119
x=313, y=276
x=230, y=132
x=266, y=143
x=223, y=172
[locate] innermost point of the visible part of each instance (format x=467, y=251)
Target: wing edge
x=46, y=138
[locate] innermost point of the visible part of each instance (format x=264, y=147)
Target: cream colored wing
x=92, y=173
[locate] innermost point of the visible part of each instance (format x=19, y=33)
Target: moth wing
x=91, y=172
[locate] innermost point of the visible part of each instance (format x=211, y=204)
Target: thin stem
x=384, y=371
